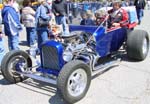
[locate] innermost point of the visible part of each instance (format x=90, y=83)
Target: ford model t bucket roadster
x=70, y=64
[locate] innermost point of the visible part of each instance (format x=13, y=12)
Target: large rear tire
x=137, y=44
x=74, y=81
x=13, y=61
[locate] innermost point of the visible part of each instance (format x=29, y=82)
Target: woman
x=28, y=19
x=43, y=13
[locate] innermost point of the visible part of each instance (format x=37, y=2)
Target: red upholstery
x=132, y=25
x=125, y=14
x=125, y=19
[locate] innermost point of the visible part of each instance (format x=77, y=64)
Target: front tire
x=12, y=62
x=138, y=44
x=74, y=81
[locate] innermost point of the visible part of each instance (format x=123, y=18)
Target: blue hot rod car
x=71, y=64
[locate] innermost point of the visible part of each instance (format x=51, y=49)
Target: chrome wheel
x=17, y=63
x=77, y=82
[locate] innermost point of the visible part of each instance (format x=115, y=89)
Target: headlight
x=67, y=56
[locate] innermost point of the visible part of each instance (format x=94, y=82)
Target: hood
x=5, y=9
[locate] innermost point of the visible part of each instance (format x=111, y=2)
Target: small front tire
x=74, y=81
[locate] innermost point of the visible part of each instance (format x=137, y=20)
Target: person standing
x=140, y=5
x=43, y=13
x=75, y=8
x=58, y=8
x=2, y=47
x=148, y=4
x=69, y=11
x=70, y=16
x=127, y=3
x=28, y=19
x=49, y=6
x=12, y=25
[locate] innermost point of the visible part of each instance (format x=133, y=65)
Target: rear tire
x=12, y=62
x=74, y=81
x=137, y=44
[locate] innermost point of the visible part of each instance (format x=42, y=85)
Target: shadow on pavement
x=124, y=57
x=43, y=88
x=56, y=99
x=4, y=82
x=39, y=85
x=102, y=72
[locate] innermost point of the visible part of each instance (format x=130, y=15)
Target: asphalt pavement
x=127, y=83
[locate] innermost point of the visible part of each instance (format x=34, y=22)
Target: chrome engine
x=81, y=47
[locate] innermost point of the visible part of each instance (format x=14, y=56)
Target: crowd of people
x=56, y=12
x=31, y=16
x=117, y=10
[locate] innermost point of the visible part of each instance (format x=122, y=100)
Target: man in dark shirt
x=140, y=5
x=58, y=8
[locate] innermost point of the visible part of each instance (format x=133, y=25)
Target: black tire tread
x=134, y=44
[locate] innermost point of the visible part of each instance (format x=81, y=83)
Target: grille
x=50, y=57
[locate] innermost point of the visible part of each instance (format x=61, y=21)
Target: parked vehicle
x=70, y=64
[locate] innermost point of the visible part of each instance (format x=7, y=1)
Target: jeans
x=70, y=19
x=62, y=20
x=42, y=36
x=140, y=14
x=13, y=42
x=31, y=35
x=2, y=49
x=75, y=12
x=148, y=4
